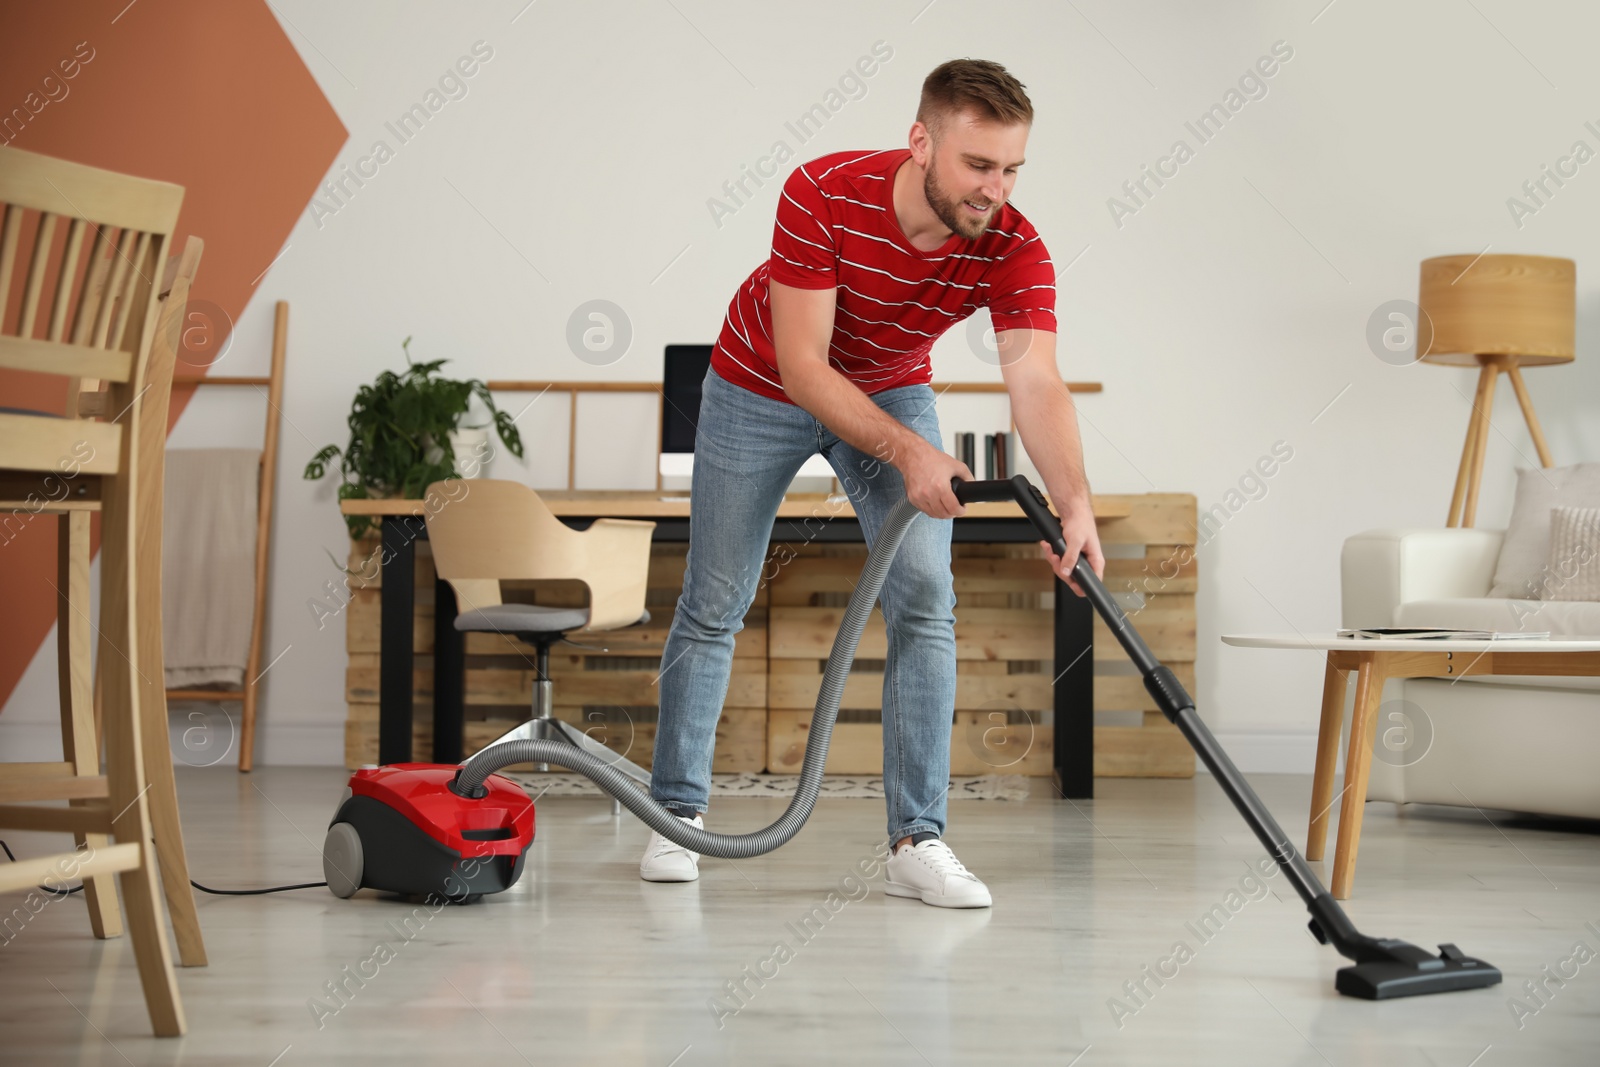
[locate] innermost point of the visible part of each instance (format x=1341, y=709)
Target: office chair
x=486, y=531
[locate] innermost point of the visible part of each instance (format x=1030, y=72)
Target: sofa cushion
x=1520, y=571
x=1562, y=618
x=1574, y=565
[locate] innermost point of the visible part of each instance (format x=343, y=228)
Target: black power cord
x=43, y=888
x=197, y=885
x=255, y=892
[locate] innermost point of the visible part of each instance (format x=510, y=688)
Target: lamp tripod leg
x=1481, y=407
x=1463, y=470
x=1469, y=449
x=1534, y=430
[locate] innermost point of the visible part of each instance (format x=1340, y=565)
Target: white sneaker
x=931, y=873
x=668, y=861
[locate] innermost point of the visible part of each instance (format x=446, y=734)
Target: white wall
x=1223, y=316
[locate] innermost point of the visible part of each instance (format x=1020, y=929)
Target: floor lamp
x=1498, y=313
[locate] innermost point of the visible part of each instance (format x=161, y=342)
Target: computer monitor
x=684, y=370
x=682, y=373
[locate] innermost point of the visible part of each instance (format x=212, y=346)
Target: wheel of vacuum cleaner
x=341, y=859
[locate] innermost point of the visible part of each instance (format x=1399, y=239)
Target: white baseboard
x=302, y=745
x=1268, y=752
x=282, y=745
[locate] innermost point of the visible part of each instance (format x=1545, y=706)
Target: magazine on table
x=1423, y=633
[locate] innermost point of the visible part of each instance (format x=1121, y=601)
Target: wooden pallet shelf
x=610, y=694
x=1004, y=648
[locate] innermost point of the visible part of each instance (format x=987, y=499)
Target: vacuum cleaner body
x=402, y=829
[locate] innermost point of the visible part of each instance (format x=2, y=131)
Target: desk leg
x=449, y=670
x=1333, y=688
x=1074, y=693
x=1357, y=764
x=396, y=601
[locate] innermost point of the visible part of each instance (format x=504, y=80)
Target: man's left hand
x=1078, y=530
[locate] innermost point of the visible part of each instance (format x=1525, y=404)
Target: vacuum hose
x=469, y=782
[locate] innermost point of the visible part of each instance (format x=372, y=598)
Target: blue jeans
x=747, y=451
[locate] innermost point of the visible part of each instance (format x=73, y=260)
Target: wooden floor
x=583, y=963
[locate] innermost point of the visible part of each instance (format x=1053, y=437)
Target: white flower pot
x=472, y=451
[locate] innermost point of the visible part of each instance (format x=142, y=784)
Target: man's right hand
x=927, y=472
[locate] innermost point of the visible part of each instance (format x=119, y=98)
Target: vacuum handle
x=1037, y=509
x=1027, y=496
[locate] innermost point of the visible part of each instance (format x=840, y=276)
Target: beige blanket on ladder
x=208, y=560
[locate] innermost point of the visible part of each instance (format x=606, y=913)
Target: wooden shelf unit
x=1003, y=633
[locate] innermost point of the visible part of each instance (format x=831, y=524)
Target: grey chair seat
x=527, y=618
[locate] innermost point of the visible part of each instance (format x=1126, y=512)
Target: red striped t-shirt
x=837, y=229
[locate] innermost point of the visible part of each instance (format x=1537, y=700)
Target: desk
x=402, y=524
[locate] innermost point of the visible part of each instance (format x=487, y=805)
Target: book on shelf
x=1424, y=633
x=1002, y=456
x=965, y=449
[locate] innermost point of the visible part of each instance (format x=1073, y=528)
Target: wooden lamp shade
x=1520, y=306
x=1499, y=313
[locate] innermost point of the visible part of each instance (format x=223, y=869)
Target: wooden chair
x=80, y=721
x=485, y=531
x=100, y=326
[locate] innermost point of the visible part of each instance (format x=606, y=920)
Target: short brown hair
x=976, y=84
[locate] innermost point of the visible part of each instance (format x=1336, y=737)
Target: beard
x=951, y=211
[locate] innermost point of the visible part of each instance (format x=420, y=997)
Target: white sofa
x=1528, y=744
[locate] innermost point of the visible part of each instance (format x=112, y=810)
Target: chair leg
x=162, y=798
x=79, y=744
x=119, y=672
x=168, y=831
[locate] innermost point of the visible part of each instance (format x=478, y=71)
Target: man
x=825, y=349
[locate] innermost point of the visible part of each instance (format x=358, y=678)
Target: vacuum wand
x=1384, y=967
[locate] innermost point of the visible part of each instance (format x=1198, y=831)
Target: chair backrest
x=485, y=531
x=99, y=320
x=173, y=296
x=151, y=460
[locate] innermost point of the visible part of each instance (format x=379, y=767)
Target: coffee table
x=1374, y=661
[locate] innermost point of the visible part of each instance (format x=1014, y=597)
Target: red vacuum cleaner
x=403, y=829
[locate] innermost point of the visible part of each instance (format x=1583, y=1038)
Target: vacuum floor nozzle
x=1408, y=971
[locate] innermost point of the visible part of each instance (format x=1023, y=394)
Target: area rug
x=981, y=787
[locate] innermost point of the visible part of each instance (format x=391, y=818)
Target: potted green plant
x=400, y=435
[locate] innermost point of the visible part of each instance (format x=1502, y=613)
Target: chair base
x=553, y=729
x=544, y=726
